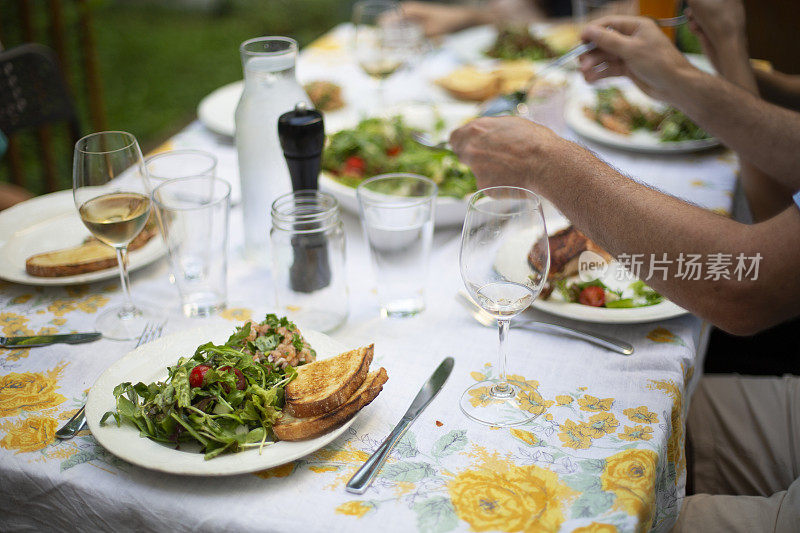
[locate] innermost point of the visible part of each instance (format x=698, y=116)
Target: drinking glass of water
x=504, y=261
x=397, y=213
x=193, y=213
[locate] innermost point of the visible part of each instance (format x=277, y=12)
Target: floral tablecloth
x=606, y=452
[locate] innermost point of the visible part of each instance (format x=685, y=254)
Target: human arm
x=624, y=216
x=440, y=19
x=763, y=134
x=779, y=88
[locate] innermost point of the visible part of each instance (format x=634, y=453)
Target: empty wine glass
x=109, y=186
x=504, y=261
x=380, y=40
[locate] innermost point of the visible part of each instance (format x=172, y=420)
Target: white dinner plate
x=512, y=262
x=149, y=363
x=449, y=211
x=51, y=222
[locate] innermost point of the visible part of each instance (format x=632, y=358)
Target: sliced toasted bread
x=324, y=385
x=291, y=428
x=469, y=83
x=90, y=256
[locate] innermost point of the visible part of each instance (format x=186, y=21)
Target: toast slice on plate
x=292, y=428
x=90, y=256
x=324, y=385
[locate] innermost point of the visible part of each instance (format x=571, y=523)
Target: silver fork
x=609, y=343
x=151, y=332
x=425, y=139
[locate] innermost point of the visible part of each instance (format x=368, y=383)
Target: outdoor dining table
x=606, y=452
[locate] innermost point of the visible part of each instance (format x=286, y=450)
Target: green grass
x=157, y=62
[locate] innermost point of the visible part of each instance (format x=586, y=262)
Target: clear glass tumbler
x=397, y=213
x=179, y=164
x=193, y=213
x=308, y=259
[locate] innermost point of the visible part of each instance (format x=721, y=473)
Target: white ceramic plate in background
x=149, y=363
x=51, y=222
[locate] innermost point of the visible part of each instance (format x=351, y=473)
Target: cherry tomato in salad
x=241, y=382
x=592, y=295
x=394, y=150
x=354, y=165
x=197, y=376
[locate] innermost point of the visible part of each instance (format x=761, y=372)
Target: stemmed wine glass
x=504, y=261
x=109, y=185
x=381, y=39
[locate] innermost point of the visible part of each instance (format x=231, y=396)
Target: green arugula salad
x=595, y=293
x=225, y=397
x=615, y=112
x=378, y=146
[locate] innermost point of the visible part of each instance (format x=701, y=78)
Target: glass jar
x=270, y=89
x=308, y=260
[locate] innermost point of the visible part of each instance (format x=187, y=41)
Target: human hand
x=637, y=48
x=720, y=27
x=440, y=19
x=510, y=151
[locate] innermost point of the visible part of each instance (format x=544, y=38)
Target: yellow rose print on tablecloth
x=664, y=335
x=482, y=396
x=521, y=498
x=591, y=403
x=477, y=376
x=525, y=436
x=14, y=324
x=277, y=471
x=675, y=442
x=29, y=391
x=532, y=402
x=641, y=414
x=237, y=314
x=574, y=435
x=631, y=476
x=21, y=299
x=29, y=434
x=601, y=424
x=355, y=508
x=633, y=433
x=89, y=304
x=522, y=379
x=563, y=399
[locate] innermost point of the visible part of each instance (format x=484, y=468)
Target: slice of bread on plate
x=326, y=384
x=290, y=428
x=469, y=83
x=90, y=256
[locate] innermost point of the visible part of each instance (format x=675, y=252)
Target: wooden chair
x=35, y=100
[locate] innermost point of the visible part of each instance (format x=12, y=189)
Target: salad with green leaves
x=595, y=293
x=225, y=397
x=378, y=146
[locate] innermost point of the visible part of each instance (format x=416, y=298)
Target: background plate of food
x=44, y=242
x=217, y=110
x=621, y=116
x=357, y=150
x=223, y=405
x=610, y=295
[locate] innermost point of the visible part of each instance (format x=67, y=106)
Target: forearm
x=763, y=134
x=778, y=88
x=765, y=196
x=625, y=217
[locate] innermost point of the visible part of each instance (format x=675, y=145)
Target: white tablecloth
x=606, y=451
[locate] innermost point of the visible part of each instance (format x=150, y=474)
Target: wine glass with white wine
x=109, y=185
x=504, y=261
x=380, y=48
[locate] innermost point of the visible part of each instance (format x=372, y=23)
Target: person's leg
x=713, y=513
x=745, y=434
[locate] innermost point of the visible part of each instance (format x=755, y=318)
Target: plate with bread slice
x=194, y=403
x=44, y=242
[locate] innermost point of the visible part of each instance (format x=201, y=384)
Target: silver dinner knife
x=361, y=480
x=47, y=340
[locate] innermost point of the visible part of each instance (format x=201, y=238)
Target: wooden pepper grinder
x=302, y=136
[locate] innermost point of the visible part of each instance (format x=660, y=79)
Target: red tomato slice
x=198, y=375
x=241, y=382
x=394, y=150
x=592, y=295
